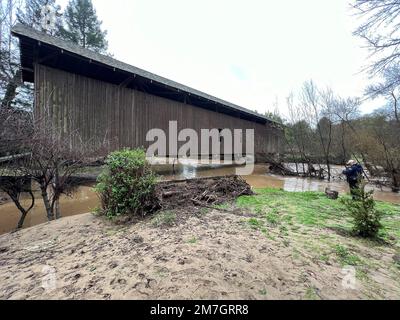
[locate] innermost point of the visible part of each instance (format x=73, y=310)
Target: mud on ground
x=212, y=256
x=199, y=249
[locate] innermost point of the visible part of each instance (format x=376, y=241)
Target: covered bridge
x=105, y=98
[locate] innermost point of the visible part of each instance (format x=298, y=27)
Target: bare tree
x=345, y=110
x=15, y=186
x=380, y=28
x=377, y=139
x=289, y=134
x=389, y=88
x=54, y=158
x=15, y=125
x=43, y=153
x=300, y=131
x=316, y=108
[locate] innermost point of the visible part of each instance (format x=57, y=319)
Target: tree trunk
x=45, y=196
x=328, y=165
x=24, y=212
x=57, y=209
x=343, y=144
x=11, y=90
x=396, y=114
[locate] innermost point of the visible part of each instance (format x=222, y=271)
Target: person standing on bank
x=353, y=173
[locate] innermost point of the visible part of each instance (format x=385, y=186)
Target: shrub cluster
x=366, y=218
x=127, y=185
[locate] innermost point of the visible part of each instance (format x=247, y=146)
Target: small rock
x=113, y=265
x=3, y=250
x=151, y=283
x=77, y=276
x=331, y=194
x=137, y=239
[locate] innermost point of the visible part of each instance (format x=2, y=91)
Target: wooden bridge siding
x=101, y=110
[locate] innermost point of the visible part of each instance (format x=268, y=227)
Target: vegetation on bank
x=362, y=208
x=293, y=210
x=320, y=230
x=127, y=185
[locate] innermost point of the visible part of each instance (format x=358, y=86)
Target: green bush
x=127, y=185
x=366, y=218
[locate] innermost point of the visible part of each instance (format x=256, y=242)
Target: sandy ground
x=214, y=255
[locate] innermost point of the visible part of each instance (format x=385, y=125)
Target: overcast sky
x=252, y=53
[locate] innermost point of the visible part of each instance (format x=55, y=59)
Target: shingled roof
x=27, y=33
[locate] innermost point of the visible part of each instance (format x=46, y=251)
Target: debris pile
x=201, y=191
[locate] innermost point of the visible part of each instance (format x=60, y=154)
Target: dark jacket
x=354, y=173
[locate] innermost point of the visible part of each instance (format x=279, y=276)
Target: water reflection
x=83, y=200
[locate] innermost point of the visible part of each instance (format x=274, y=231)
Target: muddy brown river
x=85, y=199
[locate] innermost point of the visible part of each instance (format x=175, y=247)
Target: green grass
x=311, y=294
x=308, y=208
x=315, y=227
x=255, y=223
x=273, y=217
x=164, y=218
x=263, y=292
x=346, y=257
x=204, y=211
x=224, y=206
x=192, y=240
x=313, y=209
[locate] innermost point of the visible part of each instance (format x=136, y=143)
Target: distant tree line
x=323, y=128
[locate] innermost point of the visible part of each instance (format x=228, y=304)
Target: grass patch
x=306, y=208
x=319, y=229
x=311, y=294
x=263, y=292
x=255, y=223
x=324, y=258
x=204, y=211
x=345, y=257
x=224, y=206
x=313, y=209
x=273, y=217
x=192, y=240
x=164, y=218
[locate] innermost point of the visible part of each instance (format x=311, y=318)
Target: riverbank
x=274, y=245
x=84, y=198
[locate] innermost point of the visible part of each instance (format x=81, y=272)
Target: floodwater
x=85, y=199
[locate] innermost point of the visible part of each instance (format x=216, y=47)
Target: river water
x=85, y=199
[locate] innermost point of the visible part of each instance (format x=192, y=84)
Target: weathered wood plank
x=99, y=109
